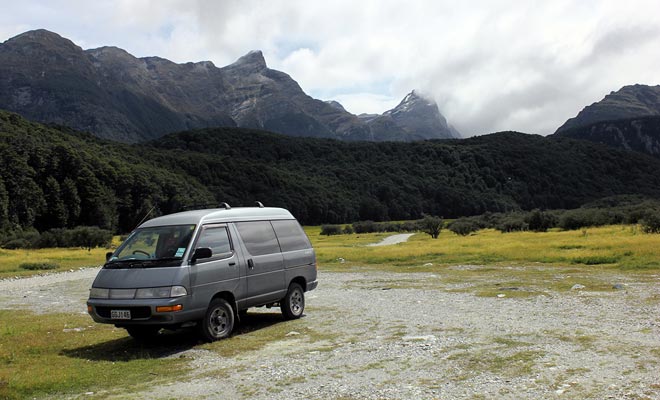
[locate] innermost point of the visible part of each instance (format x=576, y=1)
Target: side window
x=259, y=237
x=215, y=238
x=291, y=235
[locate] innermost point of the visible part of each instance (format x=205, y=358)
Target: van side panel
x=265, y=265
x=211, y=277
x=300, y=263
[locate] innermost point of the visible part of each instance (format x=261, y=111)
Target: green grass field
x=62, y=354
x=621, y=247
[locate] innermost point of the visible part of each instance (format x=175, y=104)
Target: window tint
x=259, y=237
x=291, y=235
x=215, y=238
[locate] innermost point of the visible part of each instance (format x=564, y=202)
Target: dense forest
x=53, y=177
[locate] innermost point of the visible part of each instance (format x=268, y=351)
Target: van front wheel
x=293, y=304
x=218, y=322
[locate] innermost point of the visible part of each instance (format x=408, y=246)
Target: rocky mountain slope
x=628, y=102
x=117, y=96
x=635, y=134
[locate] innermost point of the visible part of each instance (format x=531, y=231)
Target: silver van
x=204, y=268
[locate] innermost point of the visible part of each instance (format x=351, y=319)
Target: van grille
x=136, y=312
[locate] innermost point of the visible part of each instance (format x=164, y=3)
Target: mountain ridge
x=630, y=101
x=111, y=93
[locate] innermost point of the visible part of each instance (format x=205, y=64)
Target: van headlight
x=161, y=292
x=99, y=293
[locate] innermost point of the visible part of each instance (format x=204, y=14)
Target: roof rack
x=206, y=205
x=224, y=205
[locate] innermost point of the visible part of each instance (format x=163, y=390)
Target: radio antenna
x=145, y=217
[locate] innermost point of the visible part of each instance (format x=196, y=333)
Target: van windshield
x=162, y=243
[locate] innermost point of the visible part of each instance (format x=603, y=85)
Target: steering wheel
x=143, y=252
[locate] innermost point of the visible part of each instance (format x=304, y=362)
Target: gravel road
x=379, y=335
x=393, y=239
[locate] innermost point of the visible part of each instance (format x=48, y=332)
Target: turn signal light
x=89, y=309
x=177, y=307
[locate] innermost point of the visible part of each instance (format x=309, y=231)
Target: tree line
x=52, y=177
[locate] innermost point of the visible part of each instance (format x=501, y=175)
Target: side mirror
x=201, y=252
x=108, y=255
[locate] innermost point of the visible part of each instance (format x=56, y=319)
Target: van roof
x=219, y=215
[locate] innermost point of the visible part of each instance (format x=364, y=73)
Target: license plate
x=120, y=314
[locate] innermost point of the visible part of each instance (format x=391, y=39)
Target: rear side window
x=291, y=235
x=259, y=237
x=215, y=238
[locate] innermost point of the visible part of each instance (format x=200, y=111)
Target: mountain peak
x=421, y=117
x=43, y=37
x=253, y=61
x=630, y=101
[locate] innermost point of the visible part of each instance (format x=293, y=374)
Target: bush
x=365, y=227
x=16, y=244
x=348, y=229
x=331, y=230
x=89, y=237
x=410, y=226
x=463, y=226
x=651, y=222
x=512, y=223
x=539, y=221
x=38, y=266
x=432, y=225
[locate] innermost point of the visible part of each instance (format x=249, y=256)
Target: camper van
x=204, y=268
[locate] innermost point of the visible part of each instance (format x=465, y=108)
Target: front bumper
x=143, y=311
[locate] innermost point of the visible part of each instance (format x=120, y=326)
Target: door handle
x=232, y=263
x=250, y=264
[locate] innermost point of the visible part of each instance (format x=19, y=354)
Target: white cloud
x=490, y=65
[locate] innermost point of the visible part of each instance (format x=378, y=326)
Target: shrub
x=89, y=237
x=512, y=223
x=331, y=230
x=365, y=227
x=539, y=221
x=463, y=226
x=651, y=222
x=16, y=244
x=38, y=266
x=410, y=226
x=432, y=225
x=348, y=229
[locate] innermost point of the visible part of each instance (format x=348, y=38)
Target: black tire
x=218, y=323
x=143, y=333
x=293, y=304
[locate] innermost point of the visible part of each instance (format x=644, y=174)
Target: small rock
x=292, y=333
x=500, y=295
x=89, y=393
x=341, y=260
x=618, y=286
x=577, y=286
x=428, y=264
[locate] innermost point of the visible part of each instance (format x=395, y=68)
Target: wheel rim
x=219, y=322
x=297, y=302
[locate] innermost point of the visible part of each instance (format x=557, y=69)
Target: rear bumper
x=143, y=312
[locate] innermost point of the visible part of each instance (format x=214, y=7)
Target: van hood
x=133, y=278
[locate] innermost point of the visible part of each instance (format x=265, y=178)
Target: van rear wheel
x=218, y=322
x=293, y=304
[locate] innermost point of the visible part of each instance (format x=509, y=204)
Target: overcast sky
x=490, y=65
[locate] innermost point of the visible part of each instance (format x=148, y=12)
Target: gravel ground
x=393, y=239
x=380, y=335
